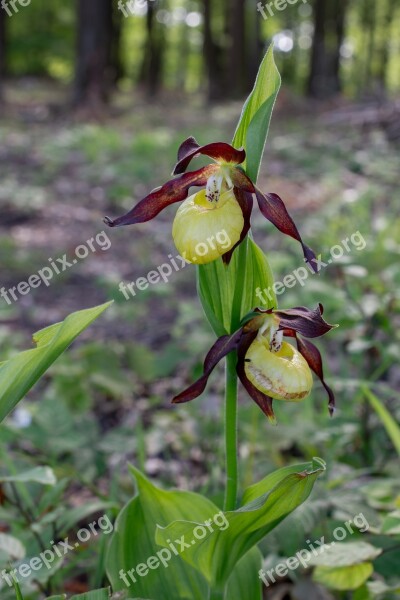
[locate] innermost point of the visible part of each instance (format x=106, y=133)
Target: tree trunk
x=151, y=72
x=116, y=62
x=213, y=56
x=329, y=28
x=369, y=24
x=254, y=43
x=385, y=47
x=237, y=79
x=3, y=18
x=93, y=76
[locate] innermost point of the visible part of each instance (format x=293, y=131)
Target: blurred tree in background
x=324, y=47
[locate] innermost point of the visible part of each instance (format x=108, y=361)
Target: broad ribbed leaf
x=244, y=581
x=133, y=542
x=216, y=556
x=257, y=489
x=21, y=372
x=252, y=130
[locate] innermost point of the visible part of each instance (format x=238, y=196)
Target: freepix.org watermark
x=301, y=274
x=303, y=557
x=177, y=547
x=268, y=9
x=59, y=265
x=11, y=6
x=59, y=550
x=164, y=271
x=130, y=8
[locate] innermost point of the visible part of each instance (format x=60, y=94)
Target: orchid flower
x=268, y=367
x=224, y=204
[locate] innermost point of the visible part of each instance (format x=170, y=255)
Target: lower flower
x=269, y=368
x=204, y=230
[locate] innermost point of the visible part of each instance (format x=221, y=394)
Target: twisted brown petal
x=314, y=360
x=173, y=191
x=309, y=323
x=274, y=209
x=261, y=399
x=245, y=201
x=219, y=151
x=221, y=348
x=241, y=181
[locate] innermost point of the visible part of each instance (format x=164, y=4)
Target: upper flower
x=268, y=367
x=224, y=205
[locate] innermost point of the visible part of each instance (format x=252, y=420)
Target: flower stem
x=239, y=287
x=231, y=432
x=231, y=400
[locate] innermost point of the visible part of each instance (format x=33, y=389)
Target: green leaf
x=343, y=578
x=18, y=594
x=253, y=126
x=21, y=372
x=271, y=480
x=103, y=594
x=43, y=475
x=343, y=554
x=73, y=516
x=391, y=523
x=133, y=543
x=344, y=565
x=217, y=282
x=244, y=581
x=392, y=428
x=216, y=555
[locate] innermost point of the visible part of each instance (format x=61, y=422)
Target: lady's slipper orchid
x=268, y=367
x=224, y=205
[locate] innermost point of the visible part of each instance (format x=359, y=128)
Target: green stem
x=231, y=441
x=239, y=288
x=231, y=432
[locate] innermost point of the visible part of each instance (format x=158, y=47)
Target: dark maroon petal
x=261, y=399
x=274, y=209
x=222, y=347
x=241, y=181
x=219, y=151
x=309, y=323
x=245, y=201
x=314, y=360
x=171, y=192
x=187, y=147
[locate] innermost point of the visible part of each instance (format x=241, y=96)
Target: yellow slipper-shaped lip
x=283, y=375
x=203, y=230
